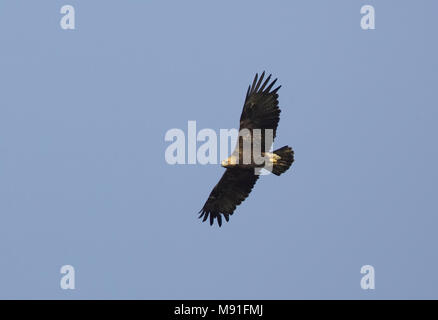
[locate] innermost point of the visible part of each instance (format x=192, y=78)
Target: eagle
x=258, y=128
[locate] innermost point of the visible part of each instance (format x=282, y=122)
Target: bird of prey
x=260, y=116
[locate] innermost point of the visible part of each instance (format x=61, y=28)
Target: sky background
x=84, y=181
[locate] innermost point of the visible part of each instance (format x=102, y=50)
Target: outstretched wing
x=234, y=186
x=261, y=110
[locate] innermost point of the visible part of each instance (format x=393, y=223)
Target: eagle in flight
x=258, y=126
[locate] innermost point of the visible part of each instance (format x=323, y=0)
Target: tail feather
x=286, y=155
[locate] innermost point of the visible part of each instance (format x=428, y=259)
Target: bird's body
x=258, y=128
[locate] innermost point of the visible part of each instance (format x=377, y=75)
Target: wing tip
x=257, y=85
x=204, y=214
x=276, y=89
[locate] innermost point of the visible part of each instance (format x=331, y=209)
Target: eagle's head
x=229, y=162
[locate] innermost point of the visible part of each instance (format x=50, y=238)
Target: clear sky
x=84, y=182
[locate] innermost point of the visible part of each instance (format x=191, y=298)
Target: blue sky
x=84, y=182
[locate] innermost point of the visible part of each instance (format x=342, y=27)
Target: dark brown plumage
x=260, y=111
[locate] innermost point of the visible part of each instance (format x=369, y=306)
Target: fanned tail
x=286, y=155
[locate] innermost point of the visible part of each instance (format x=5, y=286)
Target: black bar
x=215, y=309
